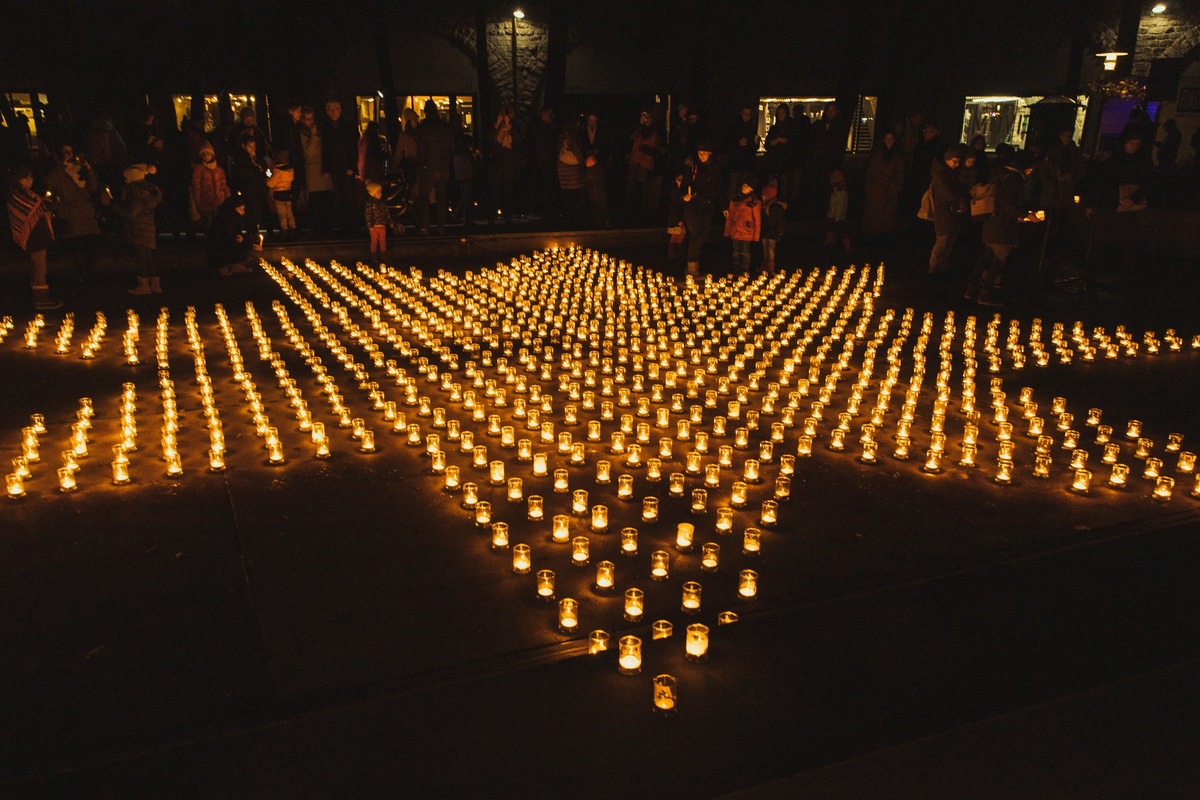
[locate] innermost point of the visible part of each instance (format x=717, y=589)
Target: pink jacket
x=744, y=222
x=209, y=188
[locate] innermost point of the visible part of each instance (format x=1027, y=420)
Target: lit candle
x=804, y=445
x=1079, y=459
x=751, y=541
x=1103, y=434
x=699, y=501
x=690, y=604
x=605, y=576
x=653, y=470
x=747, y=584
x=769, y=514
x=727, y=618
x=696, y=643
x=684, y=532
x=597, y=642
x=625, y=487
x=1004, y=472
x=545, y=585
x=561, y=529
x=1153, y=467
x=483, y=513
x=1186, y=464
x=1082, y=481
x=599, y=518
x=603, y=472
x=560, y=481
x=1174, y=442
x=634, y=604
x=120, y=472
x=629, y=655
x=660, y=565
x=1041, y=466
x=568, y=615
x=521, y=559
x=1163, y=488
x=580, y=551
x=675, y=485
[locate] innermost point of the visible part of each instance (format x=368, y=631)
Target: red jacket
x=209, y=188
x=744, y=222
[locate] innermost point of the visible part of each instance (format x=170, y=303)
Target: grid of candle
x=536, y=388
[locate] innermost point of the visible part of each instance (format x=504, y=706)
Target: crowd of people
x=321, y=174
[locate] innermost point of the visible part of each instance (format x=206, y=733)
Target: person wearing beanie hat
x=949, y=202
x=209, y=187
x=139, y=199
x=702, y=187
x=743, y=224
x=33, y=231
x=774, y=223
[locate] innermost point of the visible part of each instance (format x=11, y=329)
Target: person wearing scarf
x=33, y=231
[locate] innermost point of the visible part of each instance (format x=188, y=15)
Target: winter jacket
x=705, y=183
x=744, y=222
x=136, y=207
x=376, y=212
x=209, y=188
x=885, y=179
x=774, y=219
x=1004, y=226
x=74, y=202
x=223, y=245
x=645, y=144
x=948, y=195
x=435, y=147
x=570, y=147
x=280, y=182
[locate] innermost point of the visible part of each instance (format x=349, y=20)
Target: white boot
x=155, y=285
x=143, y=287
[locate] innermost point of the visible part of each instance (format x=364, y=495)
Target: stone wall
x=1175, y=33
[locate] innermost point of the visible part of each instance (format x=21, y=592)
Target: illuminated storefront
x=1007, y=119
x=862, y=126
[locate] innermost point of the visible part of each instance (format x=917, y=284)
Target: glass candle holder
x=597, y=642
x=1174, y=442
x=1004, y=472
x=561, y=483
x=747, y=584
x=1103, y=434
x=1081, y=482
x=684, y=533
x=690, y=602
x=804, y=445
x=629, y=541
x=675, y=484
x=660, y=565
x=1163, y=488
x=1119, y=477
x=635, y=604
x=769, y=514
x=540, y=464
x=1112, y=452
x=452, y=480
x=1186, y=463
x=568, y=615
x=483, y=513
x=724, y=521
x=599, y=518
x=1153, y=468
x=579, y=502
x=787, y=465
x=606, y=577
x=653, y=470
x=580, y=551
x=521, y=559
x=1134, y=429
x=545, y=585
x=1041, y=466
x=629, y=655
x=1079, y=459
x=560, y=531
x=603, y=472
x=710, y=557
x=727, y=618
x=499, y=533
x=625, y=487
x=751, y=542
x=692, y=464
x=120, y=473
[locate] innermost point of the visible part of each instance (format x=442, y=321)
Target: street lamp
x=517, y=14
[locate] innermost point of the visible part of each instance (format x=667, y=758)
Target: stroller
x=397, y=196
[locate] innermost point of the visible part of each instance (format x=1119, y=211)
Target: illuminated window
x=464, y=106
x=239, y=101
x=811, y=107
x=368, y=110
x=22, y=105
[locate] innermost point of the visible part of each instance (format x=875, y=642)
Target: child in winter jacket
x=835, y=217
x=774, y=223
x=139, y=198
x=209, y=187
x=279, y=182
x=743, y=224
x=376, y=216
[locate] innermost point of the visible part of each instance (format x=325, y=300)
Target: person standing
x=949, y=201
x=742, y=148
x=376, y=216
x=505, y=164
x=1001, y=232
x=33, y=231
x=312, y=176
x=571, y=172
x=209, y=186
x=339, y=157
x=595, y=172
x=701, y=187
x=1168, y=148
x=248, y=175
x=543, y=152
x=781, y=152
x=139, y=199
x=73, y=185
x=743, y=225
x=885, y=179
x=279, y=184
x=435, y=159
x=774, y=223
x=645, y=149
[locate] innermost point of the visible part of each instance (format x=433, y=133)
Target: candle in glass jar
x=597, y=642
x=696, y=643
x=751, y=541
x=684, y=532
x=561, y=481
x=561, y=529
x=545, y=585
x=747, y=584
x=710, y=556
x=629, y=541
x=699, y=501
x=120, y=472
x=1081, y=481
x=580, y=551
x=660, y=565
x=568, y=615
x=521, y=559
x=1163, y=488
x=634, y=604
x=629, y=655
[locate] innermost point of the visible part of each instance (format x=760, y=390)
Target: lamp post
x=517, y=14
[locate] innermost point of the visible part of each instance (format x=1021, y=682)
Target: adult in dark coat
x=885, y=179
x=702, y=195
x=742, y=147
x=248, y=175
x=75, y=187
x=543, y=156
x=1001, y=231
x=781, y=152
x=1120, y=200
x=949, y=201
x=597, y=155
x=339, y=157
x=435, y=160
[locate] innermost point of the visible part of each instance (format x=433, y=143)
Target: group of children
x=752, y=218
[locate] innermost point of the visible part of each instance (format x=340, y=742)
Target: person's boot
x=155, y=285
x=693, y=268
x=42, y=300
x=143, y=287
